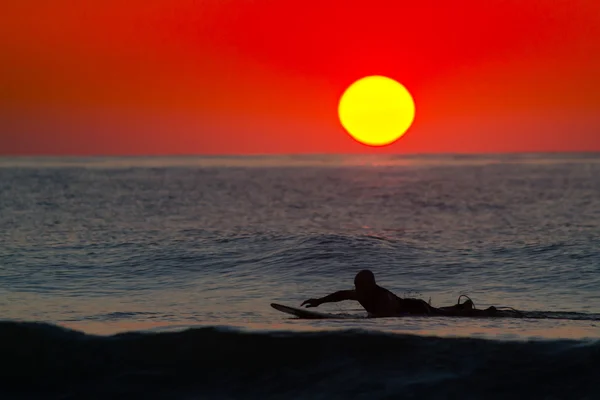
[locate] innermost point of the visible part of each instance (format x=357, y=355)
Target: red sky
x=238, y=76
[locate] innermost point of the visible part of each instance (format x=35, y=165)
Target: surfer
x=380, y=302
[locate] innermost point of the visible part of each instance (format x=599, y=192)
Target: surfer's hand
x=311, y=303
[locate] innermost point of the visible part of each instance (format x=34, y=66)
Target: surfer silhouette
x=380, y=302
x=377, y=300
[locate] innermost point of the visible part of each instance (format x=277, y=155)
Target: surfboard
x=308, y=314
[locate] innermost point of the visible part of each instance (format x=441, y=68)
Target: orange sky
x=240, y=76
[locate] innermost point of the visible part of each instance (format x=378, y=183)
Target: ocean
x=151, y=277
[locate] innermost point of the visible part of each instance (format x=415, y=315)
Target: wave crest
x=340, y=364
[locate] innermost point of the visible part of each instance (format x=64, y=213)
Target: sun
x=376, y=110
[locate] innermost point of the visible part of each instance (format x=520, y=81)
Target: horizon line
x=249, y=155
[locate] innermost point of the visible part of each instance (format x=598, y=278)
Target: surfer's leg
x=467, y=305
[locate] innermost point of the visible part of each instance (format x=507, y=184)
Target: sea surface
x=151, y=277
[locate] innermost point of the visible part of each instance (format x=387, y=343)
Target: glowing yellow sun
x=376, y=110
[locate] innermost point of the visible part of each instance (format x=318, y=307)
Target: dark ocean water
x=152, y=277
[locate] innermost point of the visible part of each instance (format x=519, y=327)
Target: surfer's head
x=364, y=279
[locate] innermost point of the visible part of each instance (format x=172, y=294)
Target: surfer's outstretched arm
x=332, y=298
